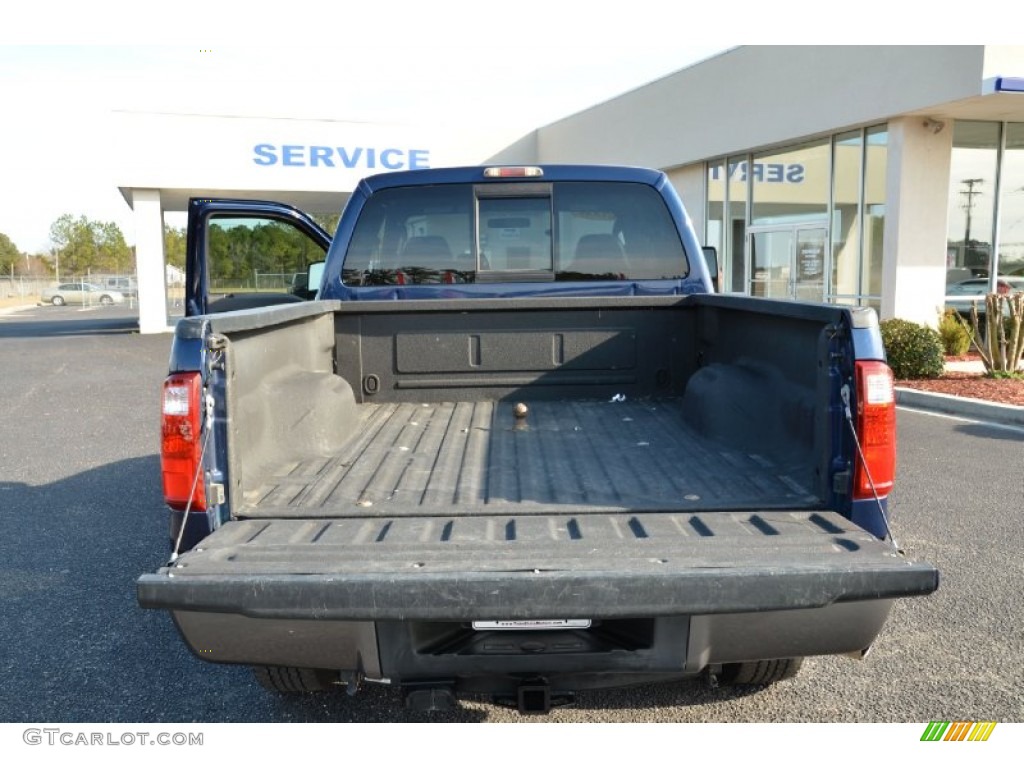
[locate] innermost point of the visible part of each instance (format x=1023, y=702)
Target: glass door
x=809, y=264
x=771, y=257
x=788, y=262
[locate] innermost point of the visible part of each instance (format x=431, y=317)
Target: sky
x=447, y=63
x=57, y=99
x=500, y=69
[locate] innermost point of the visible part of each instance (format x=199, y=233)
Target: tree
x=329, y=221
x=10, y=256
x=74, y=247
x=113, y=253
x=174, y=246
x=81, y=245
x=37, y=265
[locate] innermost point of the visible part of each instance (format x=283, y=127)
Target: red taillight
x=876, y=429
x=181, y=442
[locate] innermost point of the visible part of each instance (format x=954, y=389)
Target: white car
x=960, y=296
x=87, y=294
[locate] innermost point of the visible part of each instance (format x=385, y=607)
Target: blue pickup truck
x=517, y=446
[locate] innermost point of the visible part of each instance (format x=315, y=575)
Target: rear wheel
x=294, y=679
x=763, y=672
x=57, y=301
x=106, y=300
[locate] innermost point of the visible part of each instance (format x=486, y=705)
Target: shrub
x=955, y=338
x=1000, y=344
x=913, y=351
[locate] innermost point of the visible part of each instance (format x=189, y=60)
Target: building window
x=726, y=218
x=972, y=195
x=736, y=227
x=790, y=185
x=714, y=231
x=847, y=152
x=814, y=226
x=1011, y=203
x=985, y=234
x=875, y=167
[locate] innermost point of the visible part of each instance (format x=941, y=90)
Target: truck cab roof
x=548, y=173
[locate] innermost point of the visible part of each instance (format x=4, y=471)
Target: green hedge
x=913, y=351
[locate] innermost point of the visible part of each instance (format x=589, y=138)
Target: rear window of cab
x=514, y=232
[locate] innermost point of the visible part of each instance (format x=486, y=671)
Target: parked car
x=974, y=291
x=81, y=293
x=124, y=285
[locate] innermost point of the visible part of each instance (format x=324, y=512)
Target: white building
x=866, y=175
x=313, y=164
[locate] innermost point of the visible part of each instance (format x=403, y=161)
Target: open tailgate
x=535, y=567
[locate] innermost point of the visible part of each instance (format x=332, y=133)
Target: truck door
x=250, y=253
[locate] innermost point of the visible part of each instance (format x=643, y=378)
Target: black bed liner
x=413, y=493
x=474, y=458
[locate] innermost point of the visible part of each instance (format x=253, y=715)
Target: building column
x=914, y=243
x=690, y=183
x=149, y=261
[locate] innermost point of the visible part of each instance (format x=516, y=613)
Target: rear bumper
x=608, y=654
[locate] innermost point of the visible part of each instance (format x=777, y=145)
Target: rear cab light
x=876, y=430
x=512, y=172
x=181, y=442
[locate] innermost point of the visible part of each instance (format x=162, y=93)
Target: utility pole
x=968, y=207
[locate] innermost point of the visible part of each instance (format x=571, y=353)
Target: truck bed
x=564, y=457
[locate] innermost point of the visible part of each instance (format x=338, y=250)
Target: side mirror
x=306, y=284
x=316, y=273
x=711, y=259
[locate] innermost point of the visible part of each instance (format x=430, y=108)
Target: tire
x=106, y=300
x=57, y=301
x=763, y=672
x=294, y=679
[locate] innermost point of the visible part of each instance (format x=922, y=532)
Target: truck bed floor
x=476, y=458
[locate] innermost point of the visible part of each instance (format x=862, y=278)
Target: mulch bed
x=1006, y=391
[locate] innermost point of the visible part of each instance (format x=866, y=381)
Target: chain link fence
x=23, y=287
x=74, y=289
x=255, y=282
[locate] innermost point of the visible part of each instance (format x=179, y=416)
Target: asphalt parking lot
x=81, y=518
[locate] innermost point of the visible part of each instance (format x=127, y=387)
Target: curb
x=15, y=309
x=966, y=407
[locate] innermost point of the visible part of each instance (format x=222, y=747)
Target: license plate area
x=462, y=639
x=416, y=650
x=530, y=625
